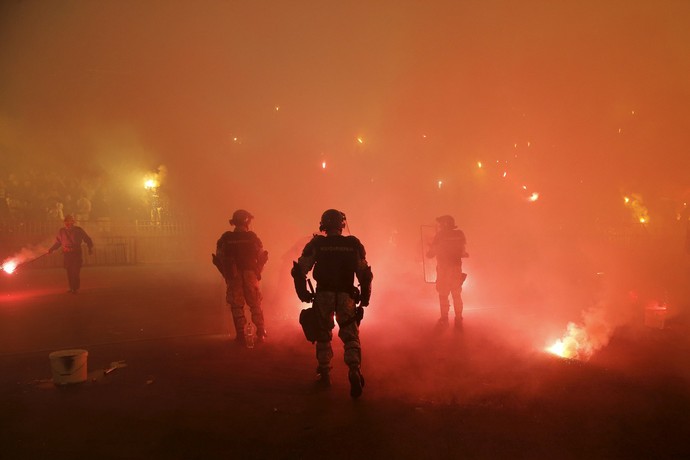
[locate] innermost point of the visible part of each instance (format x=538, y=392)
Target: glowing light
x=637, y=207
x=150, y=183
x=277, y=107
x=323, y=165
x=9, y=267
x=360, y=140
x=505, y=173
x=573, y=345
x=440, y=183
x=557, y=348
x=479, y=165
x=533, y=197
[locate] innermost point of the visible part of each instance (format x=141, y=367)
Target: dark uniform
x=448, y=247
x=70, y=238
x=240, y=257
x=336, y=260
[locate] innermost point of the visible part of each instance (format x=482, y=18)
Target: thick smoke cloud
x=243, y=103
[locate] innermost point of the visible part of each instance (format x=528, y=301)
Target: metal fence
x=115, y=243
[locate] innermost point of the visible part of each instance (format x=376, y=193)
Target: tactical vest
x=450, y=247
x=239, y=248
x=336, y=259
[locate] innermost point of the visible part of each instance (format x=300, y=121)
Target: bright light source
x=9, y=267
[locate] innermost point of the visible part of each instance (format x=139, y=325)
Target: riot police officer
x=448, y=247
x=240, y=257
x=336, y=260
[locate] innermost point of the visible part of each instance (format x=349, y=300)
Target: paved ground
x=187, y=392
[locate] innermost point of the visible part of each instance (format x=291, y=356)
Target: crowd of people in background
x=36, y=195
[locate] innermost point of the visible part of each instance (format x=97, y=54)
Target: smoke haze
x=416, y=109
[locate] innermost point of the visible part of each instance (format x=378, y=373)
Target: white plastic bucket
x=69, y=366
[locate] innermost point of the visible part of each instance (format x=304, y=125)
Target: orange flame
x=575, y=344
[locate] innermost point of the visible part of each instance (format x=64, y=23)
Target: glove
x=300, y=280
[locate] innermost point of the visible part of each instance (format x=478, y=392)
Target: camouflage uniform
x=448, y=247
x=336, y=260
x=241, y=257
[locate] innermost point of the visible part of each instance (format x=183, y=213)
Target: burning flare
x=581, y=341
x=573, y=345
x=9, y=266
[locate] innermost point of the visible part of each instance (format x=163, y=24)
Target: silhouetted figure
x=240, y=257
x=336, y=260
x=70, y=238
x=448, y=247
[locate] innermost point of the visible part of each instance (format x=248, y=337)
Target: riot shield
x=428, y=232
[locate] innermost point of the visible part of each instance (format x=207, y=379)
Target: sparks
x=534, y=197
x=638, y=208
x=323, y=165
x=360, y=140
x=150, y=183
x=479, y=165
x=440, y=183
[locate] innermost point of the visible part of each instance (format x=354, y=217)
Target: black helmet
x=446, y=222
x=241, y=217
x=332, y=219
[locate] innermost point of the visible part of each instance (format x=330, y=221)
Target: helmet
x=446, y=222
x=332, y=219
x=241, y=217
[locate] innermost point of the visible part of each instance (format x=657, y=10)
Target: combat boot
x=442, y=323
x=323, y=377
x=240, y=324
x=356, y=382
x=261, y=335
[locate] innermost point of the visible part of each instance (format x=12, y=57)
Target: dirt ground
x=186, y=391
